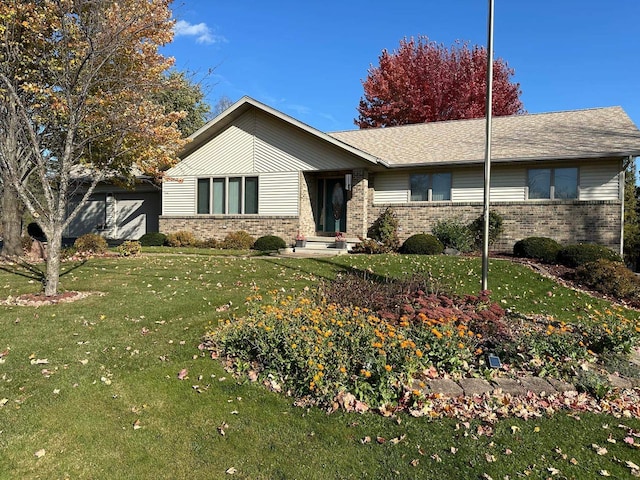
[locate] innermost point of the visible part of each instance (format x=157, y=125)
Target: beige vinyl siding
x=280, y=149
x=508, y=184
x=278, y=193
x=229, y=152
x=179, y=197
x=467, y=185
x=600, y=182
x=391, y=188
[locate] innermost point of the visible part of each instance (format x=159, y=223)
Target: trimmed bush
x=422, y=244
x=91, y=243
x=269, y=243
x=239, y=240
x=539, y=248
x=609, y=277
x=153, y=239
x=495, y=228
x=575, y=255
x=454, y=234
x=182, y=238
x=384, y=231
x=130, y=248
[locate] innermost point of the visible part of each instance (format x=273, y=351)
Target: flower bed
x=320, y=350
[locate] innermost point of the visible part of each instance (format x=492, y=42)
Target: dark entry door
x=332, y=205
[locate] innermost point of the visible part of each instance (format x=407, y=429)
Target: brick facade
x=567, y=222
x=213, y=226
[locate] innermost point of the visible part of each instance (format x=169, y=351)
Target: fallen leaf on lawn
x=56, y=391
x=381, y=440
x=508, y=451
x=598, y=449
x=514, y=429
x=414, y=462
x=490, y=458
x=222, y=428
x=629, y=440
x=366, y=440
x=84, y=362
x=3, y=402
x=573, y=461
x=486, y=476
x=231, y=471
x=436, y=457
x=536, y=429
x=604, y=473
x=183, y=374
x=553, y=471
x=611, y=439
x=632, y=465
x=136, y=425
x=397, y=440
x=454, y=450
x=39, y=361
x=40, y=453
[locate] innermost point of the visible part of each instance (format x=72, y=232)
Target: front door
x=332, y=205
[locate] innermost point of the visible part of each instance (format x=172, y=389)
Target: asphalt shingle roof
x=578, y=134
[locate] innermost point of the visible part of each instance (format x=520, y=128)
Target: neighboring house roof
x=579, y=134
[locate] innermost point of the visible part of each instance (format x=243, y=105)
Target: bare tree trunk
x=52, y=276
x=12, y=210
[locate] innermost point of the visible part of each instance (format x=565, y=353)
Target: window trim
x=430, y=187
x=226, y=181
x=552, y=183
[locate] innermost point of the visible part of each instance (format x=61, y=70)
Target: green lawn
x=108, y=402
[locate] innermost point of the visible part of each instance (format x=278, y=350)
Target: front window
x=222, y=195
x=434, y=187
x=553, y=183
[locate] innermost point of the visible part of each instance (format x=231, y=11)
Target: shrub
x=91, y=243
x=581, y=253
x=422, y=244
x=454, y=234
x=385, y=231
x=182, y=238
x=208, y=243
x=495, y=228
x=539, y=248
x=610, y=278
x=269, y=243
x=239, y=240
x=34, y=231
x=130, y=248
x=153, y=239
x=369, y=246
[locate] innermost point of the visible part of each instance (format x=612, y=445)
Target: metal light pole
x=487, y=152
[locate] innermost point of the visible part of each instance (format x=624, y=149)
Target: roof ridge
x=461, y=120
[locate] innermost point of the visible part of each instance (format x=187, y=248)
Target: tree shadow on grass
x=330, y=267
x=22, y=268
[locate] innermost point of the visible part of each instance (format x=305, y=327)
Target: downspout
x=623, y=183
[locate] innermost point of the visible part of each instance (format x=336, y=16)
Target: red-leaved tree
x=427, y=82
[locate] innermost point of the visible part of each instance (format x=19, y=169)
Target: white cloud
x=201, y=31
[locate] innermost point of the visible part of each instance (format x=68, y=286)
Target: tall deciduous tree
x=426, y=82
x=82, y=97
x=181, y=94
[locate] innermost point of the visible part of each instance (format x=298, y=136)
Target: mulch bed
x=40, y=299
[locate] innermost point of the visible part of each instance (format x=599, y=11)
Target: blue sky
x=308, y=59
